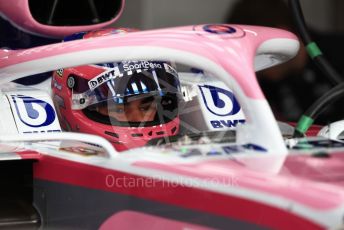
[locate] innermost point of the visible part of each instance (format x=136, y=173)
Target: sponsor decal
x=59, y=72
x=226, y=123
x=43, y=131
x=103, y=77
x=33, y=112
x=221, y=106
x=127, y=69
x=219, y=101
x=130, y=66
x=224, y=150
x=219, y=29
x=237, y=149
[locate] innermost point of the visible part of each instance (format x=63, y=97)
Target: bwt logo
x=222, y=103
x=33, y=112
x=219, y=101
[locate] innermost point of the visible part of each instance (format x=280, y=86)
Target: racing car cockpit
x=167, y=106
x=147, y=102
x=181, y=88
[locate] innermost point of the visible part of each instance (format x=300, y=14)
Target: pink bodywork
x=295, y=181
x=240, y=50
x=298, y=181
x=313, y=183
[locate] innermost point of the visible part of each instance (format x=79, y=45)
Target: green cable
x=304, y=123
x=313, y=50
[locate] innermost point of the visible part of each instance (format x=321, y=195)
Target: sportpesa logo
x=129, y=66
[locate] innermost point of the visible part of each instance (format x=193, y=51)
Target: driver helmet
x=128, y=102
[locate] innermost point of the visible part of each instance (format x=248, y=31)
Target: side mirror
x=58, y=18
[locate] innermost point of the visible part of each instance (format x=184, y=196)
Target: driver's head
x=128, y=102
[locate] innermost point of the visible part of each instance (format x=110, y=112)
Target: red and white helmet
x=129, y=102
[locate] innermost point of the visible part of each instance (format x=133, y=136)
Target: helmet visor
x=128, y=81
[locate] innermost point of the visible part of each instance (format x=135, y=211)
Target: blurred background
x=321, y=15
